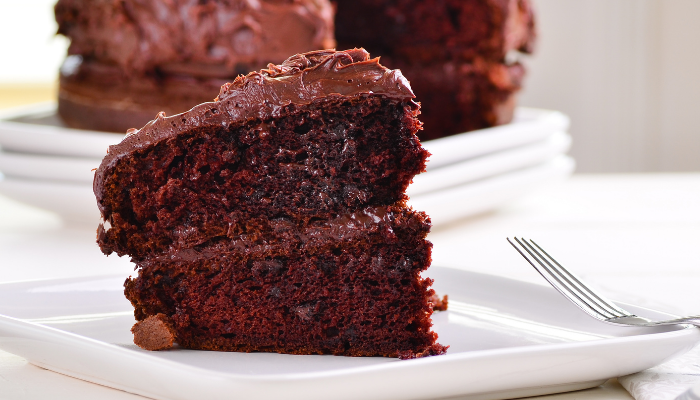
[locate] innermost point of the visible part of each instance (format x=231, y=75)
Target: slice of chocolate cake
x=274, y=219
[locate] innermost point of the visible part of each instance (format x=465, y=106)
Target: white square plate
x=474, y=197
x=508, y=339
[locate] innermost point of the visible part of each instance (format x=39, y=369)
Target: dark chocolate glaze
x=209, y=38
x=261, y=95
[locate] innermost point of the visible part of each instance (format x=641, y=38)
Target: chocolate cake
x=275, y=219
x=459, y=97
x=131, y=59
x=460, y=55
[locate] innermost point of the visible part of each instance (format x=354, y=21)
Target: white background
x=29, y=48
x=627, y=72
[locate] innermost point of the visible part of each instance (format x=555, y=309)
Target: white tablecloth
x=667, y=381
x=633, y=236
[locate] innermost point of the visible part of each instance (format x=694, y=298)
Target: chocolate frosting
x=194, y=37
x=343, y=228
x=300, y=80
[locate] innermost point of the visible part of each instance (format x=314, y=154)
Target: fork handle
x=693, y=320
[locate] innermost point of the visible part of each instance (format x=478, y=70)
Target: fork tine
x=599, y=299
x=554, y=279
x=580, y=289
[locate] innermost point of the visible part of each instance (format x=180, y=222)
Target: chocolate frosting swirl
x=194, y=37
x=300, y=80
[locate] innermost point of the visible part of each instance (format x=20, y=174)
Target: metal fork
x=586, y=299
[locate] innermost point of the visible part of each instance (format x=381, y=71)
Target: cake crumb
x=438, y=304
x=154, y=333
x=434, y=350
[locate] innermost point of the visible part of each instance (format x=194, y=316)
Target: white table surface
x=634, y=236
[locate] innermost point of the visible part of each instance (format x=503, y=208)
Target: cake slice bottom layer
x=359, y=300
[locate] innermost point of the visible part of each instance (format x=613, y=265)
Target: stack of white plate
x=479, y=171
x=50, y=166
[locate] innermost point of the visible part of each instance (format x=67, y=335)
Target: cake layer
x=97, y=96
x=217, y=181
x=460, y=97
x=436, y=31
x=356, y=291
x=344, y=140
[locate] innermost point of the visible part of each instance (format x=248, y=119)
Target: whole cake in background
x=275, y=218
x=130, y=59
x=459, y=55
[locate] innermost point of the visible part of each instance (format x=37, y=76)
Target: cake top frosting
x=304, y=77
x=300, y=80
x=194, y=37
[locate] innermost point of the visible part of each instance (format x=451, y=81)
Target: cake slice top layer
x=324, y=134
x=300, y=80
